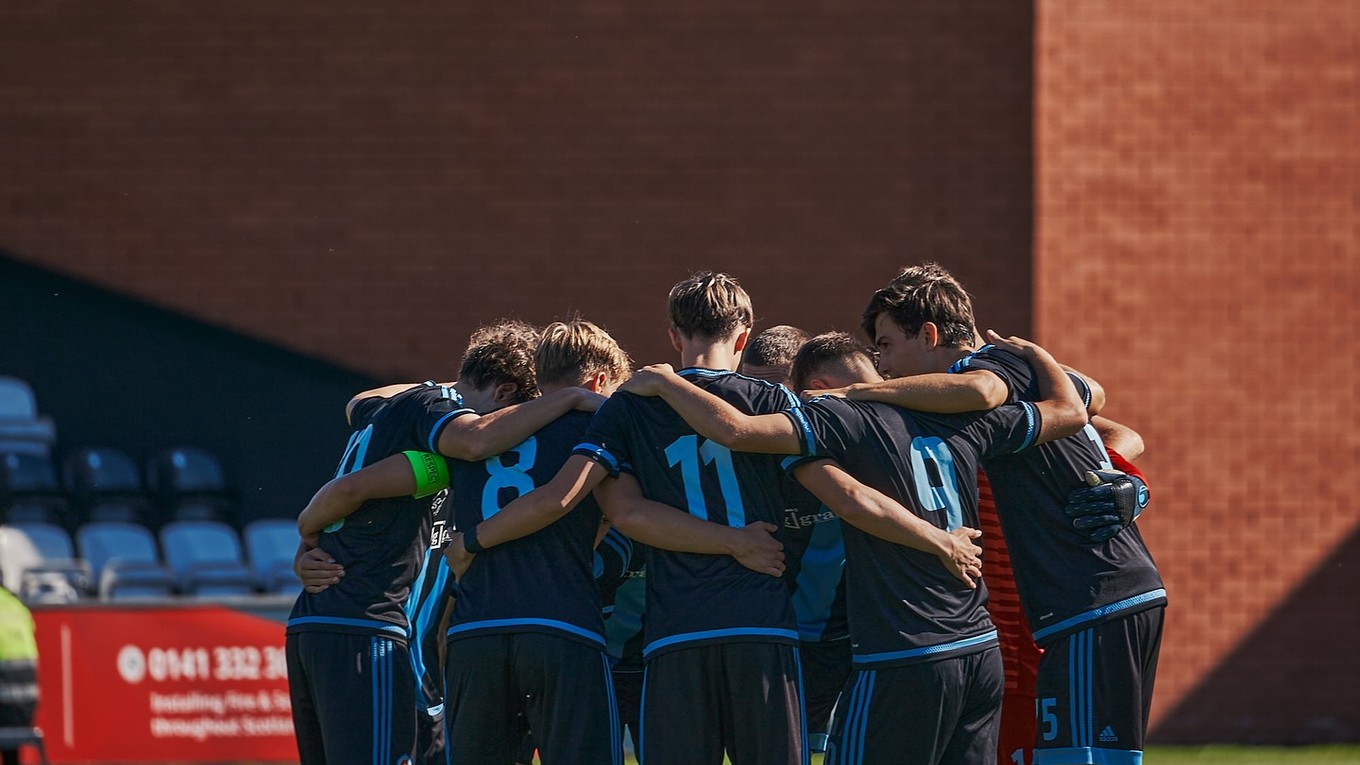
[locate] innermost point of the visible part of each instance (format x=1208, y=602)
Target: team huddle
x=555, y=549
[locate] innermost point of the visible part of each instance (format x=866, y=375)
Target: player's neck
x=709, y=357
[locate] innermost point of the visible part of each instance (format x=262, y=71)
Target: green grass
x=1232, y=755
x=1252, y=755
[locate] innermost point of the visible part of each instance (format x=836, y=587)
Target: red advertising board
x=156, y=684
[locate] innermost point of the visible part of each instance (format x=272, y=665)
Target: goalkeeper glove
x=1107, y=505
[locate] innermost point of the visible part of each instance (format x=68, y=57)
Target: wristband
x=470, y=542
x=431, y=472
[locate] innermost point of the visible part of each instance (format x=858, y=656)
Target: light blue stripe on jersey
x=434, y=432
x=1100, y=613
x=1032, y=421
x=733, y=632
x=805, y=437
x=489, y=624
x=1088, y=754
x=963, y=363
x=930, y=650
x=601, y=455
x=616, y=735
x=340, y=622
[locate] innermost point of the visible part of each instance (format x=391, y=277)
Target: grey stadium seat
x=205, y=558
x=123, y=560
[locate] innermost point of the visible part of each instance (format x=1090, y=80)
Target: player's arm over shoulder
x=474, y=437
x=408, y=474
x=974, y=390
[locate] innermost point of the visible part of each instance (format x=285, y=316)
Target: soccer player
x=814, y=552
x=927, y=680
x=351, y=677
x=769, y=353
x=526, y=633
x=1094, y=600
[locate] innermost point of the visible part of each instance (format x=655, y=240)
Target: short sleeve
x=1012, y=369
x=433, y=407
x=828, y=426
x=605, y=441
x=1007, y=429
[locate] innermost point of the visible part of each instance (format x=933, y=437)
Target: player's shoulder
x=763, y=395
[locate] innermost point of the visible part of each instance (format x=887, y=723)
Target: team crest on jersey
x=796, y=518
x=439, y=535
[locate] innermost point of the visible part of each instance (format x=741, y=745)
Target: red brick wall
x=1197, y=171
x=353, y=180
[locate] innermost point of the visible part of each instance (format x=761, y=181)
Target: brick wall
x=1196, y=174
x=355, y=181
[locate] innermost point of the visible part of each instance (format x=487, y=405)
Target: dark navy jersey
x=382, y=544
x=904, y=606
x=1066, y=582
x=694, y=598
x=426, y=607
x=814, y=557
x=541, y=582
x=621, y=570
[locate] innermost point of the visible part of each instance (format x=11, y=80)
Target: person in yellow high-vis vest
x=18, y=667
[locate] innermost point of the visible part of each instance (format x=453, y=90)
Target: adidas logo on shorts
x=1107, y=735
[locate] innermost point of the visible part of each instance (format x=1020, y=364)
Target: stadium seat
x=38, y=563
x=106, y=486
x=271, y=544
x=205, y=558
x=29, y=491
x=123, y=560
x=22, y=429
x=189, y=485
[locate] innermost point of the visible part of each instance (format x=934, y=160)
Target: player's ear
x=676, y=338
x=817, y=383
x=929, y=335
x=505, y=393
x=742, y=337
x=600, y=382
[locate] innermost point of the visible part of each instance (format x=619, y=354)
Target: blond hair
x=710, y=305
x=571, y=352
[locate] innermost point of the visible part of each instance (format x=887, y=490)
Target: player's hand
x=457, y=556
x=964, y=558
x=1107, y=505
x=317, y=570
x=588, y=400
x=756, y=548
x=808, y=395
x=649, y=380
x=1017, y=345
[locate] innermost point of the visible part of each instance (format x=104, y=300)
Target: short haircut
x=571, y=352
x=502, y=352
x=920, y=294
x=822, y=351
x=774, y=347
x=710, y=305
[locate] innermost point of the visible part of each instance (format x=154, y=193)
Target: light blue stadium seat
x=271, y=544
x=205, y=558
x=123, y=560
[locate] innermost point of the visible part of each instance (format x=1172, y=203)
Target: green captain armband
x=431, y=472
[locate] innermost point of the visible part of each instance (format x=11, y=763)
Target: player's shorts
x=1095, y=691
x=429, y=738
x=562, y=686
x=945, y=712
x=353, y=698
x=745, y=698
x=826, y=668
x=628, y=692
